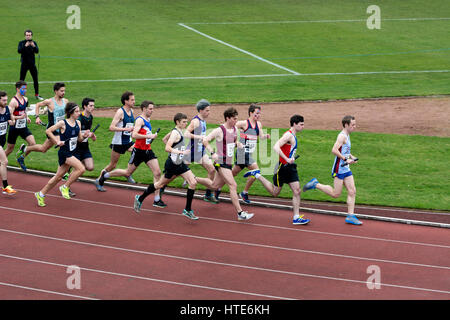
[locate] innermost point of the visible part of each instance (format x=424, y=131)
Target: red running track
x=160, y=254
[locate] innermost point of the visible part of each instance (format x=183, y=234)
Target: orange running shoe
x=9, y=190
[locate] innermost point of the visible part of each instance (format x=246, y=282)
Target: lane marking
x=318, y=21
x=230, y=221
x=150, y=279
x=239, y=49
x=250, y=244
x=45, y=291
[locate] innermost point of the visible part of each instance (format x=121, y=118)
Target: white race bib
x=250, y=146
x=128, y=125
x=73, y=143
x=21, y=123
x=3, y=127
x=230, y=149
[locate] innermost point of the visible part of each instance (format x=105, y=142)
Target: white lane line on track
x=45, y=291
x=152, y=279
x=253, y=224
x=221, y=264
x=228, y=241
x=239, y=49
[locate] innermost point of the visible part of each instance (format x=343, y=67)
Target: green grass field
x=408, y=171
x=282, y=51
x=119, y=44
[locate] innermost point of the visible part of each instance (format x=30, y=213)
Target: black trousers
x=34, y=74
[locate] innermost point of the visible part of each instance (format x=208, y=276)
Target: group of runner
x=223, y=153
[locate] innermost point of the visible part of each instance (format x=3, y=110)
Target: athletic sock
x=245, y=192
x=41, y=194
x=208, y=193
x=150, y=189
x=189, y=197
x=157, y=198
x=257, y=175
x=5, y=183
x=296, y=216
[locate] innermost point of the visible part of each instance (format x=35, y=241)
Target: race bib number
x=128, y=125
x=250, y=146
x=82, y=133
x=73, y=143
x=21, y=123
x=3, y=127
x=230, y=149
x=148, y=141
x=182, y=149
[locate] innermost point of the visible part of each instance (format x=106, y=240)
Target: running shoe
x=38, y=97
x=159, y=204
x=137, y=204
x=9, y=190
x=310, y=185
x=21, y=150
x=130, y=179
x=66, y=176
x=244, y=197
x=252, y=173
x=41, y=200
x=64, y=192
x=217, y=194
x=352, y=219
x=244, y=215
x=211, y=199
x=98, y=186
x=71, y=193
x=190, y=214
x=21, y=161
x=300, y=220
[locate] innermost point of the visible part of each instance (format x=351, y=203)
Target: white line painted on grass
x=239, y=49
x=317, y=21
x=247, y=76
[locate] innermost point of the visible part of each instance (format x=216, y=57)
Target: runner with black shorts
x=174, y=167
x=56, y=112
x=142, y=151
x=226, y=142
x=18, y=108
x=122, y=126
x=82, y=152
x=5, y=119
x=70, y=135
x=286, y=170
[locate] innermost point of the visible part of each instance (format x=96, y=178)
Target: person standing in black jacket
x=27, y=49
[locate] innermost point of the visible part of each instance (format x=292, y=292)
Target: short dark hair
x=202, y=104
x=179, y=116
x=58, y=85
x=20, y=83
x=3, y=94
x=86, y=102
x=252, y=108
x=230, y=113
x=70, y=108
x=28, y=30
x=146, y=103
x=296, y=118
x=347, y=120
x=126, y=96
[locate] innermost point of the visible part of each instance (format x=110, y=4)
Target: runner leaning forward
x=70, y=135
x=174, y=167
x=142, y=151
